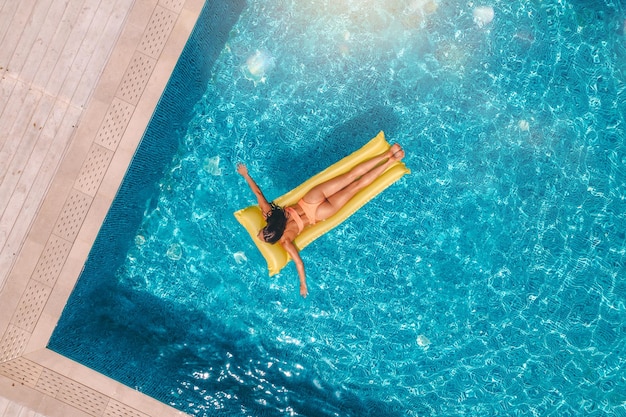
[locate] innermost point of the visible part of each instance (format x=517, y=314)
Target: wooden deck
x=79, y=80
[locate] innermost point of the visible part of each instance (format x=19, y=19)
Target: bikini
x=296, y=217
x=309, y=210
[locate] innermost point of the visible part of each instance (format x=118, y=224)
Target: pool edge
x=70, y=215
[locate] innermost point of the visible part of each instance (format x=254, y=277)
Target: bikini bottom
x=309, y=210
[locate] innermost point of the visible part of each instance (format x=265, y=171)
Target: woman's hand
x=295, y=255
x=242, y=169
x=263, y=203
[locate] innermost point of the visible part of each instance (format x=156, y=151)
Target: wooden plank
x=19, y=226
x=98, y=60
x=14, y=31
x=34, y=57
x=57, y=43
x=29, y=35
x=11, y=111
x=23, y=114
x=4, y=403
x=54, y=137
x=92, y=43
x=65, y=62
x=7, y=84
x=17, y=166
x=7, y=12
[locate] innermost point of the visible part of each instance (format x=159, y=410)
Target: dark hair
x=276, y=221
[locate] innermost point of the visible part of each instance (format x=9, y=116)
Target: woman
x=319, y=203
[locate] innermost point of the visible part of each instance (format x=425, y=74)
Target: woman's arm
x=263, y=203
x=295, y=255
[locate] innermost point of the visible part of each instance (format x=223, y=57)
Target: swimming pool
x=487, y=282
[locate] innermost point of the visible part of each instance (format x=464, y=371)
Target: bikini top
x=296, y=217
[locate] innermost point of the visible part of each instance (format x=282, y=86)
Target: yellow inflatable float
x=252, y=219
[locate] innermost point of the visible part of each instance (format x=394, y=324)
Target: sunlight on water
x=487, y=282
x=483, y=15
x=257, y=66
x=471, y=294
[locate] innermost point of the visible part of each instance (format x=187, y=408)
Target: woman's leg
x=324, y=190
x=338, y=191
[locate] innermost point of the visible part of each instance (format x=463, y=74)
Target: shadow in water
x=187, y=359
x=346, y=138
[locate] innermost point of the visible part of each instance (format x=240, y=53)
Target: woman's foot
x=396, y=153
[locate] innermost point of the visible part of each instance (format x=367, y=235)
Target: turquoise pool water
x=490, y=281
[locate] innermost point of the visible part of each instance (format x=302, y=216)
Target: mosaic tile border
x=75, y=216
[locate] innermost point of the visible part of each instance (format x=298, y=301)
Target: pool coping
x=71, y=213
